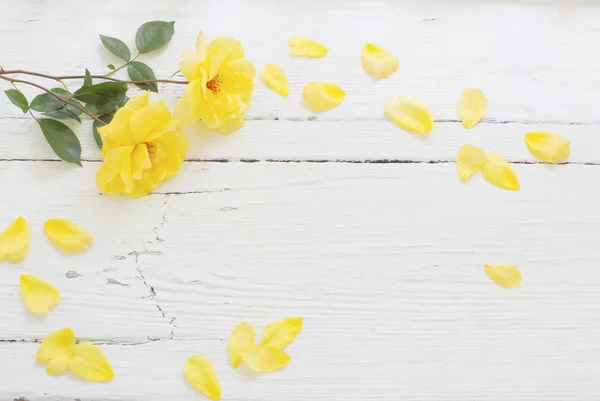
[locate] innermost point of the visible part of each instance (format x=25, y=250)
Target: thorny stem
x=60, y=78
x=62, y=99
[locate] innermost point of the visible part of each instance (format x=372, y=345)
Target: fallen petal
x=321, y=96
x=56, y=350
x=241, y=337
x=90, y=363
x=39, y=295
x=273, y=76
x=262, y=358
x=303, y=46
x=199, y=372
x=472, y=106
x=506, y=276
x=469, y=160
x=282, y=333
x=14, y=241
x=498, y=172
x=547, y=146
x=378, y=62
x=409, y=113
x=67, y=236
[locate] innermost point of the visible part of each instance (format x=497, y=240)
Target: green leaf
x=87, y=81
x=111, y=66
x=66, y=112
x=46, y=102
x=116, y=47
x=18, y=99
x=62, y=140
x=153, y=35
x=139, y=71
x=104, y=97
x=107, y=118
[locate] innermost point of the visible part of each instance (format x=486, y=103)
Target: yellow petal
x=56, y=350
x=378, y=62
x=199, y=372
x=14, y=241
x=547, y=146
x=230, y=126
x=90, y=363
x=67, y=236
x=39, y=296
x=469, y=160
x=201, y=45
x=321, y=96
x=262, y=358
x=472, y=107
x=282, y=333
x=498, y=172
x=303, y=46
x=273, y=76
x=506, y=276
x=241, y=337
x=409, y=113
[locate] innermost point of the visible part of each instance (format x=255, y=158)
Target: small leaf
x=90, y=363
x=116, y=47
x=262, y=358
x=14, y=241
x=62, y=140
x=87, y=81
x=282, y=333
x=153, y=35
x=56, y=349
x=111, y=66
x=506, y=276
x=46, y=102
x=139, y=71
x=241, y=337
x=105, y=97
x=18, y=99
x=67, y=235
x=107, y=118
x=39, y=296
x=200, y=373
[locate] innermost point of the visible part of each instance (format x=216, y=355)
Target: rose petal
x=469, y=160
x=472, y=107
x=67, y=236
x=241, y=337
x=56, y=350
x=262, y=358
x=199, y=372
x=506, y=276
x=39, y=295
x=378, y=62
x=498, y=172
x=90, y=363
x=303, y=46
x=282, y=333
x=273, y=76
x=547, y=146
x=14, y=241
x=409, y=113
x=321, y=96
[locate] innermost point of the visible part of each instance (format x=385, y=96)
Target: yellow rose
x=221, y=85
x=141, y=147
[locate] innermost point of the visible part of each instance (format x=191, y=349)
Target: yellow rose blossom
x=141, y=147
x=221, y=85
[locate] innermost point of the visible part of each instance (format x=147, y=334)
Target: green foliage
x=116, y=47
x=107, y=118
x=104, y=97
x=139, y=71
x=87, y=81
x=62, y=140
x=152, y=35
x=18, y=99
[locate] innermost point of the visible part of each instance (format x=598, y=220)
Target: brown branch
x=60, y=78
x=62, y=99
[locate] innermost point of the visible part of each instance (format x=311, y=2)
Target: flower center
x=215, y=84
x=151, y=150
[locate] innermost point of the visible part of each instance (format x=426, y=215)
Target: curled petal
x=273, y=76
x=409, y=113
x=14, y=241
x=56, y=350
x=547, y=146
x=241, y=337
x=39, y=295
x=378, y=62
x=282, y=333
x=498, y=172
x=67, y=236
x=200, y=373
x=262, y=358
x=90, y=363
x=303, y=46
x=506, y=276
x=469, y=160
x=321, y=96
x=472, y=107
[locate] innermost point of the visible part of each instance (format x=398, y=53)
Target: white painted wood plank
x=325, y=140
x=384, y=261
x=541, y=69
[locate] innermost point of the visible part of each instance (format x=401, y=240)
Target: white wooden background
x=342, y=218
